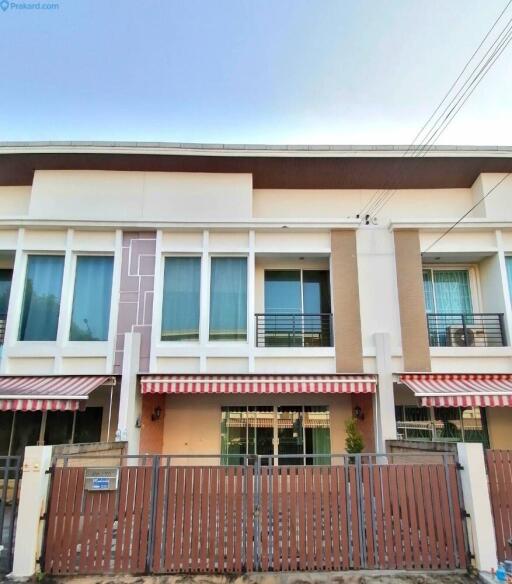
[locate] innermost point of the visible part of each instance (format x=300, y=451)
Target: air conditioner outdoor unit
x=471, y=336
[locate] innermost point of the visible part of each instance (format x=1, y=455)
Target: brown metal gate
x=499, y=470
x=171, y=518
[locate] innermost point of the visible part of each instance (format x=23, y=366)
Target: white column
x=385, y=398
x=477, y=503
x=31, y=507
x=129, y=399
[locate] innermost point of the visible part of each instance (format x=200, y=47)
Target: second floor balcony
x=466, y=330
x=294, y=330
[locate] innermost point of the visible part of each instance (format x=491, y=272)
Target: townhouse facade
x=228, y=301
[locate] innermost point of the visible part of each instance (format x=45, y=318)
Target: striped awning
x=55, y=393
x=258, y=384
x=461, y=389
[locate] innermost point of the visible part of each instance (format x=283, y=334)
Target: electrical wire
x=502, y=180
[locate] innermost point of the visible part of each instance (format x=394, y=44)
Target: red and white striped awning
x=461, y=389
x=258, y=384
x=56, y=393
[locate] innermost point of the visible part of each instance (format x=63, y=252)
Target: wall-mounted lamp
x=156, y=414
x=138, y=423
x=358, y=413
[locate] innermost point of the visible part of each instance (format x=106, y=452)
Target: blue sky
x=247, y=71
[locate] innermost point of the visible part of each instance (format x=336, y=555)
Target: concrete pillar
x=31, y=507
x=477, y=503
x=385, y=399
x=130, y=399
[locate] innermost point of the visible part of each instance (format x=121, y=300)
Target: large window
x=91, y=299
x=180, y=309
x=228, y=299
x=5, y=290
x=41, y=298
x=442, y=424
x=293, y=431
x=508, y=261
x=447, y=291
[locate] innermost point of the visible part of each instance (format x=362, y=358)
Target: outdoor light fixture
x=358, y=413
x=156, y=413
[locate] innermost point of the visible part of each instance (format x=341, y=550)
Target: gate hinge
x=49, y=471
x=464, y=514
x=43, y=517
x=459, y=466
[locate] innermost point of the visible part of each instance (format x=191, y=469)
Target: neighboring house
x=226, y=301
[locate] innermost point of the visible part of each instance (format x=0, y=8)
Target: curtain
x=320, y=434
x=180, y=310
x=91, y=299
x=452, y=292
x=41, y=299
x=508, y=262
x=428, y=290
x=228, y=299
x=5, y=290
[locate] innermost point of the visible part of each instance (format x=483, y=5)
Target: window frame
x=473, y=278
x=69, y=307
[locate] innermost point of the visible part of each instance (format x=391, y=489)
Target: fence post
x=477, y=503
x=31, y=508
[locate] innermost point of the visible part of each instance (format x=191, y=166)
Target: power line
x=466, y=213
x=382, y=196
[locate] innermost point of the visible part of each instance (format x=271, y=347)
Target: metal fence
x=294, y=330
x=466, y=330
x=186, y=514
x=10, y=473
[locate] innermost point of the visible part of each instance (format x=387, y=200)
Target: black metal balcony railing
x=3, y=318
x=466, y=330
x=294, y=330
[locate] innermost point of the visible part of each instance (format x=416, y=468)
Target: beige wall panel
x=8, y=239
x=42, y=240
x=31, y=366
x=467, y=363
x=101, y=398
x=177, y=365
x=227, y=365
x=293, y=242
x=295, y=364
x=220, y=241
x=337, y=204
x=185, y=241
x=94, y=240
x=87, y=195
x=499, y=423
x=458, y=241
x=14, y=201
x=345, y=302
x=84, y=365
x=411, y=301
x=180, y=196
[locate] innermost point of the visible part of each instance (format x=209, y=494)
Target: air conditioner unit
x=470, y=336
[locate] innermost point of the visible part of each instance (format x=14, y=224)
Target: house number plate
x=101, y=479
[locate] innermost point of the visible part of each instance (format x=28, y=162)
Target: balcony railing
x=466, y=330
x=3, y=318
x=294, y=330
x=439, y=431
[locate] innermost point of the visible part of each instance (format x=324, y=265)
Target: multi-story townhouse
x=221, y=300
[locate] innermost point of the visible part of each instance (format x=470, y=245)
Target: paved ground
x=283, y=578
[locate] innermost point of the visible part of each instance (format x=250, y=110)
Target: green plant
x=354, y=443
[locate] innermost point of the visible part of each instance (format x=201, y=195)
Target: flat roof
x=272, y=166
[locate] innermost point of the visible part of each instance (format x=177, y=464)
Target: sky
x=247, y=71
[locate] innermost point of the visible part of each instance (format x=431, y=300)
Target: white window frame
x=473, y=276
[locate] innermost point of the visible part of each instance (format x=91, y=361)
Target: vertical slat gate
x=499, y=470
x=171, y=519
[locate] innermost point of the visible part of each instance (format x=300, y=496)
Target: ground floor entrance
x=163, y=516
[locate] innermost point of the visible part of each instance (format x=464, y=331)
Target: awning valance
x=257, y=384
x=52, y=393
x=461, y=389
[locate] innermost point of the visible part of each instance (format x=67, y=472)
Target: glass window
x=447, y=291
x=228, y=299
x=5, y=432
x=180, y=309
x=299, y=430
x=283, y=292
x=41, y=298
x=508, y=262
x=27, y=426
x=59, y=427
x=5, y=290
x=91, y=299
